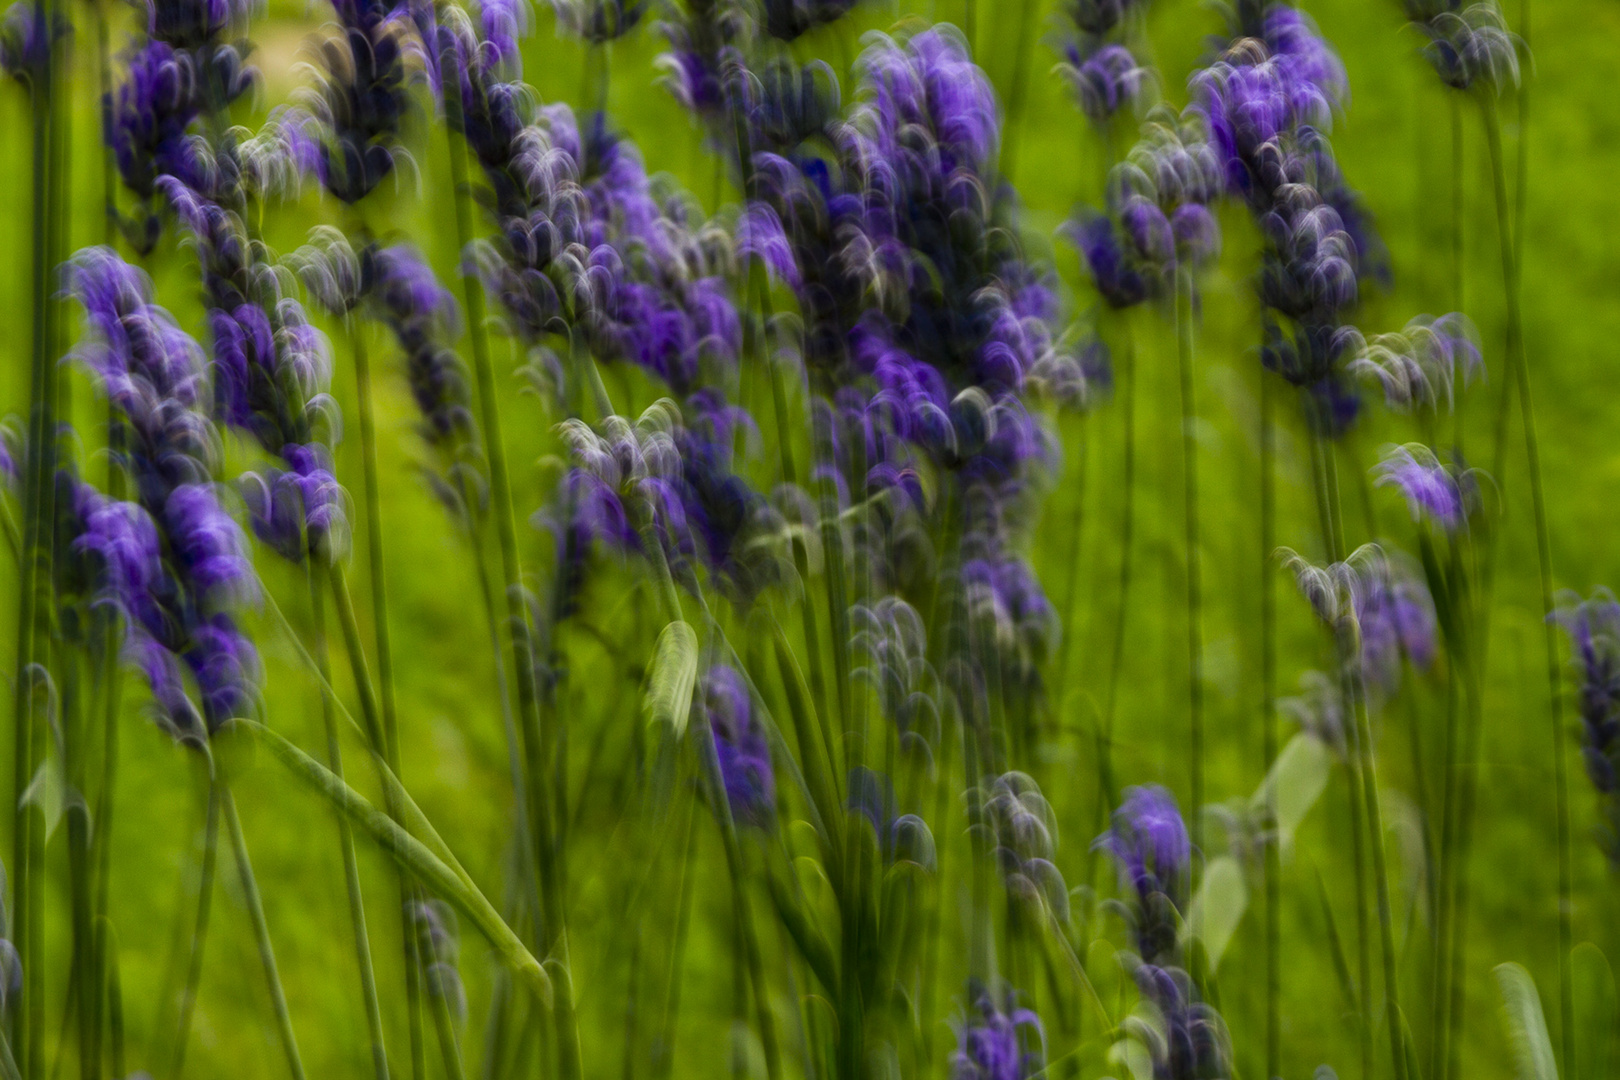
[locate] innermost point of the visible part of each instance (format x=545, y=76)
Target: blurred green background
x=1394, y=143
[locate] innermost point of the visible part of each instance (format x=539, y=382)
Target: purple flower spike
x=208, y=544
x=996, y=1044
x=1150, y=841
x=760, y=235
x=1593, y=627
x=1434, y=492
x=740, y=745
x=1106, y=82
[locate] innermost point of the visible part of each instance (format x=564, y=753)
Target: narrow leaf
x=1527, y=1027
x=417, y=859
x=673, y=677
x=1218, y=907
x=1297, y=780
x=1594, y=1013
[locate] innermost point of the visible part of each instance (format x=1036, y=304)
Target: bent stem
x=1268, y=718
x=261, y=933
x=199, y=935
x=351, y=870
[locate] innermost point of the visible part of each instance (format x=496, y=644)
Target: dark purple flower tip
x=1197, y=233
x=174, y=711
x=27, y=34
x=1473, y=46
x=1294, y=40
x=1098, y=17
x=787, y=20
x=930, y=81
x=740, y=744
x=1593, y=627
x=1149, y=231
x=760, y=235
x=999, y=1043
x=1444, y=495
x=1106, y=81
x=225, y=665
x=123, y=540
x=209, y=549
x=503, y=23
x=1150, y=842
x=599, y=21
x=147, y=118
x=1396, y=618
x=299, y=512
x=1120, y=284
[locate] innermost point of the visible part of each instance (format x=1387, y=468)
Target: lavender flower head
x=1419, y=367
x=1185, y=1038
x=28, y=33
x=1472, y=47
x=1444, y=495
x=997, y=1043
x=787, y=20
x=1397, y=620
x=1106, y=82
x=1150, y=842
x=359, y=99
x=740, y=745
x=1593, y=627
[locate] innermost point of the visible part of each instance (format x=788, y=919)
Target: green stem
x=351, y=870
x=1017, y=117
x=1519, y=367
x=199, y=935
x=374, y=546
x=553, y=917
x=261, y=933
x=1268, y=718
x=1195, y=599
x=1127, y=528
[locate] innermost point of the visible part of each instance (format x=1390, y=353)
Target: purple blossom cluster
x=1097, y=60
x=1382, y=609
x=1268, y=103
x=183, y=69
x=172, y=562
x=1158, y=220
x=740, y=745
x=271, y=367
x=922, y=322
x=353, y=111
x=585, y=242
x=1000, y=1042
x=660, y=481
x=1593, y=627
x=1441, y=494
x=1149, y=841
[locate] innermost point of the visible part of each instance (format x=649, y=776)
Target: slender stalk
x=1195, y=599
x=1268, y=718
x=1017, y=114
x=199, y=935
x=261, y=933
x=1127, y=528
x=1519, y=371
x=553, y=918
x=374, y=546
x=351, y=869
x=33, y=575
x=1366, y=770
x=1321, y=467
x=1067, y=660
